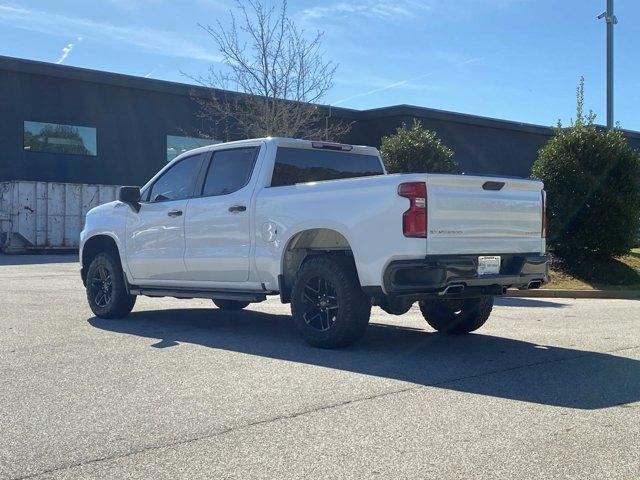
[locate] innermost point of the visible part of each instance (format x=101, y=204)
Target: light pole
x=326, y=124
x=611, y=20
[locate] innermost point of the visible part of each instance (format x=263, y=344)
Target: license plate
x=488, y=265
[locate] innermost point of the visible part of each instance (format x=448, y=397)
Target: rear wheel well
x=94, y=246
x=308, y=244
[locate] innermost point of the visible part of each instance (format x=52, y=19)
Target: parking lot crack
x=321, y=408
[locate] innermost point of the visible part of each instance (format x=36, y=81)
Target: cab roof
x=288, y=142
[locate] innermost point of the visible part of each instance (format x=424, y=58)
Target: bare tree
x=266, y=56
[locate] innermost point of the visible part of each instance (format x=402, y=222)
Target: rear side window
x=296, y=165
x=229, y=171
x=178, y=182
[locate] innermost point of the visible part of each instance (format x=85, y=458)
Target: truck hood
x=104, y=208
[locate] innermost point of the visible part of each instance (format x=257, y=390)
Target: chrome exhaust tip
x=452, y=289
x=534, y=284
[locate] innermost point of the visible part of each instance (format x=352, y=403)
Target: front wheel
x=106, y=289
x=329, y=308
x=457, y=315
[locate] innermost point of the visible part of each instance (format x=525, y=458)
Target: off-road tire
x=395, y=306
x=116, y=302
x=457, y=316
x=350, y=316
x=230, y=305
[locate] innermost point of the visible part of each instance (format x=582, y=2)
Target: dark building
x=68, y=124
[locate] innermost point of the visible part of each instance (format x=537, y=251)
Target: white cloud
x=65, y=52
x=160, y=42
x=377, y=84
x=132, y=4
x=377, y=9
x=402, y=83
x=135, y=5
x=152, y=71
x=473, y=60
x=395, y=10
x=456, y=58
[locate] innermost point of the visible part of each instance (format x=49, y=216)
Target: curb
x=550, y=293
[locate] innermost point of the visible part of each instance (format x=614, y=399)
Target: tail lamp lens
x=414, y=220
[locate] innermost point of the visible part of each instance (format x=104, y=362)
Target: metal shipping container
x=46, y=215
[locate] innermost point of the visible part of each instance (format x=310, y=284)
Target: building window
x=55, y=138
x=177, y=145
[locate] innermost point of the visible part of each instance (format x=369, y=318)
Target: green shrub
x=416, y=150
x=592, y=179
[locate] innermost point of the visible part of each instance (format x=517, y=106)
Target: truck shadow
x=527, y=302
x=477, y=363
x=37, y=259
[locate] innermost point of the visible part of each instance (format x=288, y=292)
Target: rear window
x=296, y=165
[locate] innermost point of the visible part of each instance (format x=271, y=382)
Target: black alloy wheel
x=101, y=287
x=329, y=308
x=320, y=304
x=106, y=287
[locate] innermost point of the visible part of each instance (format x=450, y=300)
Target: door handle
x=237, y=208
x=174, y=213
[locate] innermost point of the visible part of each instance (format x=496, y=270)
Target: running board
x=185, y=293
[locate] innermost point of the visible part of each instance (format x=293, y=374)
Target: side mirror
x=130, y=196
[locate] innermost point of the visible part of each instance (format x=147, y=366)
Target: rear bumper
x=434, y=275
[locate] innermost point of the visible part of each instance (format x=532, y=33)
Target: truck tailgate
x=475, y=215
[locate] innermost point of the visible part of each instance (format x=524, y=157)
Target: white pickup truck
x=323, y=226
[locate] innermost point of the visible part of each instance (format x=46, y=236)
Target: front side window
x=56, y=138
x=297, y=165
x=229, y=171
x=177, y=145
x=178, y=182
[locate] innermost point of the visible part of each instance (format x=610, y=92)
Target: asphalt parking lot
x=547, y=389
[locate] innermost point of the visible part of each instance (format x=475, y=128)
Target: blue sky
x=514, y=59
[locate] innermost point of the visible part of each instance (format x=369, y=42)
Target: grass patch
x=621, y=273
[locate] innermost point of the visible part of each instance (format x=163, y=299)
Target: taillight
x=543, y=230
x=332, y=146
x=414, y=220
